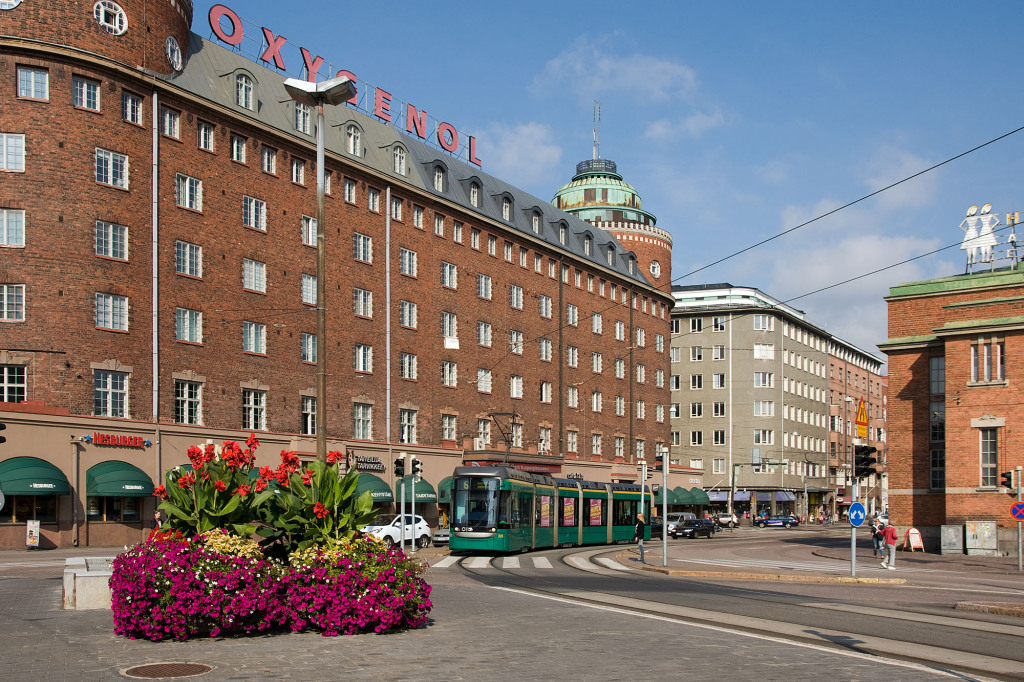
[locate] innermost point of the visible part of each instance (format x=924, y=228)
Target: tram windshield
x=476, y=503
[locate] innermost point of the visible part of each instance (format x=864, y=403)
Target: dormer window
x=506, y=209
x=536, y=222
x=353, y=140
x=588, y=243
x=398, y=164
x=243, y=91
x=302, y=118
x=562, y=234
x=474, y=194
x=610, y=256
x=439, y=178
x=629, y=265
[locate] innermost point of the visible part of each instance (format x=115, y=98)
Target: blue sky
x=734, y=121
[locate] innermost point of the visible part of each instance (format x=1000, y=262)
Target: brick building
x=158, y=266
x=951, y=347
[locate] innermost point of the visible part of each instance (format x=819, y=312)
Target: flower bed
x=293, y=557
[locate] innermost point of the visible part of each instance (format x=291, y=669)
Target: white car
x=388, y=528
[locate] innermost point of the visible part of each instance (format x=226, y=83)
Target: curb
x=1000, y=608
x=624, y=557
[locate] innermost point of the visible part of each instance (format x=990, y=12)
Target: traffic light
x=659, y=461
x=2, y=427
x=417, y=469
x=400, y=466
x=864, y=463
x=1007, y=477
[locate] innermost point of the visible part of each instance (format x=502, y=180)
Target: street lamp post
x=846, y=453
x=333, y=92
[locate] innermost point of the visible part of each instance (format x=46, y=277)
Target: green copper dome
x=598, y=193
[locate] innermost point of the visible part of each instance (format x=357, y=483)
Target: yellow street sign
x=862, y=420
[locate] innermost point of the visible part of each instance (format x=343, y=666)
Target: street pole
x=412, y=507
x=1018, y=469
x=853, y=535
x=401, y=503
x=664, y=507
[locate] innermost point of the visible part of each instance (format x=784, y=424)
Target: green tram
x=500, y=509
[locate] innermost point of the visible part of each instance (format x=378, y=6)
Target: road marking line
x=477, y=562
x=510, y=562
x=446, y=562
x=541, y=562
x=613, y=564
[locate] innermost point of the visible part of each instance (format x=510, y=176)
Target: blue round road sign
x=857, y=514
x=1017, y=510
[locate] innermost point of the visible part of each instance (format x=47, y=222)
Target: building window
x=364, y=358
x=188, y=402
x=516, y=386
x=764, y=351
x=696, y=410
x=508, y=252
x=696, y=381
x=449, y=275
x=483, y=286
x=407, y=366
x=12, y=152
x=204, y=136
x=189, y=192
x=188, y=325
x=363, y=247
x=308, y=347
x=572, y=354
x=696, y=353
x=718, y=381
x=12, y=302
x=243, y=91
x=254, y=337
x=474, y=194
x=407, y=314
x=298, y=171
x=936, y=375
x=545, y=392
x=483, y=380
x=718, y=437
x=308, y=231
x=417, y=217
x=170, y=122
x=309, y=289
x=363, y=301
x=398, y=160
x=362, y=418
x=449, y=325
x=641, y=374
x=457, y=232
x=85, y=93
x=764, y=437
x=545, y=307
x=596, y=362
x=254, y=213
x=696, y=438
x=439, y=225
x=188, y=259
x=407, y=262
x=308, y=415
x=112, y=312
x=111, y=168
x=718, y=352
x=659, y=378
x=110, y=394
x=936, y=421
x=572, y=315
x=302, y=117
x=449, y=374
x=764, y=380
x=596, y=401
x=449, y=427
x=506, y=208
x=438, y=178
x=516, y=296
x=620, y=406
x=572, y=441
x=254, y=409
x=474, y=238
x=373, y=199
x=396, y=208
x=238, y=144
x=620, y=368
x=35, y=84
x=13, y=384
x=515, y=342
x=641, y=409
x=353, y=140
x=938, y=468
x=407, y=426
x=110, y=17
x=718, y=324
x=544, y=346
x=111, y=240
x=987, y=361
x=620, y=330
x=573, y=397
x=764, y=322
x=483, y=333
x=492, y=244
x=764, y=408
x=254, y=275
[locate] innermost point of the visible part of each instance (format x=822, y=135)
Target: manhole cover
x=164, y=671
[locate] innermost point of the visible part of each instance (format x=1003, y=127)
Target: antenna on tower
x=597, y=129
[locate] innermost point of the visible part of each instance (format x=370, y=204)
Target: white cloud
x=590, y=67
x=692, y=126
x=891, y=164
x=524, y=154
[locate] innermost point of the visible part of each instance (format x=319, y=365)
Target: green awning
x=32, y=476
x=444, y=490
x=424, y=491
x=115, y=478
x=681, y=496
x=659, y=496
x=699, y=496
x=379, y=490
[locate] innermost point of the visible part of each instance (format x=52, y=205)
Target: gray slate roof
x=210, y=71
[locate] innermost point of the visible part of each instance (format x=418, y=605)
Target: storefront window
x=21, y=508
x=123, y=509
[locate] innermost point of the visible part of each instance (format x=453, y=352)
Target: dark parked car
x=694, y=529
x=657, y=527
x=777, y=521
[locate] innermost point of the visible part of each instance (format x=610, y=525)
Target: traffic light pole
x=412, y=502
x=664, y=508
x=1019, y=555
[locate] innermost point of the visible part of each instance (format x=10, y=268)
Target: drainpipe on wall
x=155, y=300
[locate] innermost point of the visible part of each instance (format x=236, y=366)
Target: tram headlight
x=493, y=530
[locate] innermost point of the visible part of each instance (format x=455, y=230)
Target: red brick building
x=158, y=270
x=952, y=344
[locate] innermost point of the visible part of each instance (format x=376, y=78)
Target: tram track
x=805, y=623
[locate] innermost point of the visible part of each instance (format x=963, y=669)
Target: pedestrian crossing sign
x=862, y=420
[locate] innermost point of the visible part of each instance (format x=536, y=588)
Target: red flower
x=242, y=490
x=186, y=481
x=259, y=484
x=307, y=477
x=251, y=442
x=320, y=510
x=221, y=486
x=195, y=455
x=333, y=456
x=160, y=492
x=266, y=473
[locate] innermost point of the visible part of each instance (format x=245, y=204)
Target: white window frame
x=189, y=192
x=254, y=275
x=254, y=337
x=111, y=311
x=112, y=168
x=254, y=213
x=111, y=240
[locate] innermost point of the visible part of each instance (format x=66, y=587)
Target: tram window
x=567, y=512
x=624, y=512
x=476, y=503
x=595, y=515
x=543, y=519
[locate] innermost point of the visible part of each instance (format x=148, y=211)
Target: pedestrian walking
x=641, y=528
x=876, y=539
x=889, y=539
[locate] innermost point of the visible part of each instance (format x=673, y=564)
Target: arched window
x=474, y=194
x=536, y=222
x=399, y=163
x=587, y=244
x=243, y=91
x=562, y=234
x=439, y=178
x=610, y=256
x=353, y=140
x=110, y=17
x=506, y=208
